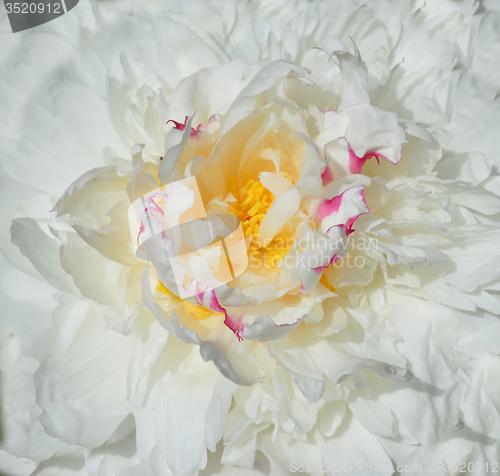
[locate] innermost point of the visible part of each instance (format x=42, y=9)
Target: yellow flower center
x=253, y=203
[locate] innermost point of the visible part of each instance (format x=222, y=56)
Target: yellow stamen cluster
x=253, y=202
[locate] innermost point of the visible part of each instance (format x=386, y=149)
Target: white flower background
x=396, y=363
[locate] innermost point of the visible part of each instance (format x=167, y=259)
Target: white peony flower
x=363, y=337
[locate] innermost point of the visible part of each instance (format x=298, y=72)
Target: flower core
x=252, y=202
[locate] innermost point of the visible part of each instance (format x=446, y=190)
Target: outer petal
x=182, y=412
x=376, y=132
x=436, y=389
x=301, y=351
x=265, y=79
x=83, y=401
x=354, y=73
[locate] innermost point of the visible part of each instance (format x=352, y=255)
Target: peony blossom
x=345, y=153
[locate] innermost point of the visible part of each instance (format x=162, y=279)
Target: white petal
x=374, y=131
x=83, y=400
x=276, y=184
x=265, y=79
x=42, y=252
x=175, y=141
x=283, y=209
x=354, y=73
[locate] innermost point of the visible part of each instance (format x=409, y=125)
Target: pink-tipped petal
x=208, y=298
x=327, y=176
x=343, y=209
